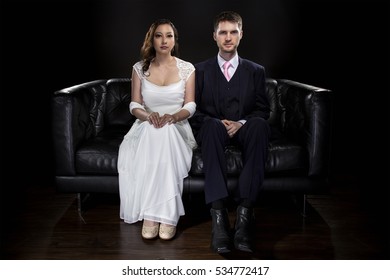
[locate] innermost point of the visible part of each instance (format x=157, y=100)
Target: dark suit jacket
x=254, y=101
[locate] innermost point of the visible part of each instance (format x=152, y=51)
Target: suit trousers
x=253, y=139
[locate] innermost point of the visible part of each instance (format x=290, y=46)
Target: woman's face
x=164, y=39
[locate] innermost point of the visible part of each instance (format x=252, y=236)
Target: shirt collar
x=233, y=61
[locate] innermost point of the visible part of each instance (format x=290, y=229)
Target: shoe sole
x=221, y=250
x=244, y=248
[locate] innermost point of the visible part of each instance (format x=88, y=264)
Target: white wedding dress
x=153, y=162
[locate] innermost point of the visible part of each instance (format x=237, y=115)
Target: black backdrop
x=341, y=45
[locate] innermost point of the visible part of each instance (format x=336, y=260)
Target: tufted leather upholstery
x=89, y=121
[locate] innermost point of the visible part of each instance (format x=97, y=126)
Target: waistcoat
x=229, y=95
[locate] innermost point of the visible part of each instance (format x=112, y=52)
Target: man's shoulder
x=205, y=63
x=250, y=64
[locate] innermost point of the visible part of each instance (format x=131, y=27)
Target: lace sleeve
x=138, y=69
x=185, y=69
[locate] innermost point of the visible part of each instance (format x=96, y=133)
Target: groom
x=232, y=109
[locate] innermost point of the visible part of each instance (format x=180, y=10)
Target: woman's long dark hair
x=148, y=53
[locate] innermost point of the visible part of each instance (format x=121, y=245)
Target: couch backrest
x=116, y=101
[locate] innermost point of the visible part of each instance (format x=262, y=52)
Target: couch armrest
x=75, y=118
x=307, y=118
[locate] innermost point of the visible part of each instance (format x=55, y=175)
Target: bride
x=155, y=155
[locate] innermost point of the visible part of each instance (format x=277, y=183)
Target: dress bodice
x=163, y=99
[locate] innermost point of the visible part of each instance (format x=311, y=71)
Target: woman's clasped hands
x=158, y=121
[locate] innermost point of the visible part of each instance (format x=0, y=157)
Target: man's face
x=227, y=36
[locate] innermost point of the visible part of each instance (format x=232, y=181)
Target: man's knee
x=212, y=126
x=212, y=129
x=257, y=124
x=212, y=123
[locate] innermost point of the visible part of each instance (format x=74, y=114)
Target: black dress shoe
x=244, y=236
x=220, y=234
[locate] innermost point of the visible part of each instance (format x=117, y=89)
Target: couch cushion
x=99, y=155
x=286, y=157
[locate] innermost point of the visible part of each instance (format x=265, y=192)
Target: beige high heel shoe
x=150, y=232
x=167, y=232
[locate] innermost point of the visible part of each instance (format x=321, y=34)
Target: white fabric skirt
x=152, y=164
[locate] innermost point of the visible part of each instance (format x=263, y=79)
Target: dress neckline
x=174, y=83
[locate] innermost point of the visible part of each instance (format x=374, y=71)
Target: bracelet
x=148, y=117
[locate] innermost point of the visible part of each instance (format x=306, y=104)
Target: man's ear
x=241, y=34
x=214, y=36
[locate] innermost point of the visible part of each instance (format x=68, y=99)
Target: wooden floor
x=339, y=226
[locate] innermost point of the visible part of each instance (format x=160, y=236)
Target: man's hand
x=231, y=127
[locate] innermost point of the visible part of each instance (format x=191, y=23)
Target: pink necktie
x=226, y=66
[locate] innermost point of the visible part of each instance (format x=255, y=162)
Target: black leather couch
x=89, y=121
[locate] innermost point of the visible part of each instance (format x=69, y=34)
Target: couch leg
x=304, y=207
x=301, y=202
x=82, y=199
